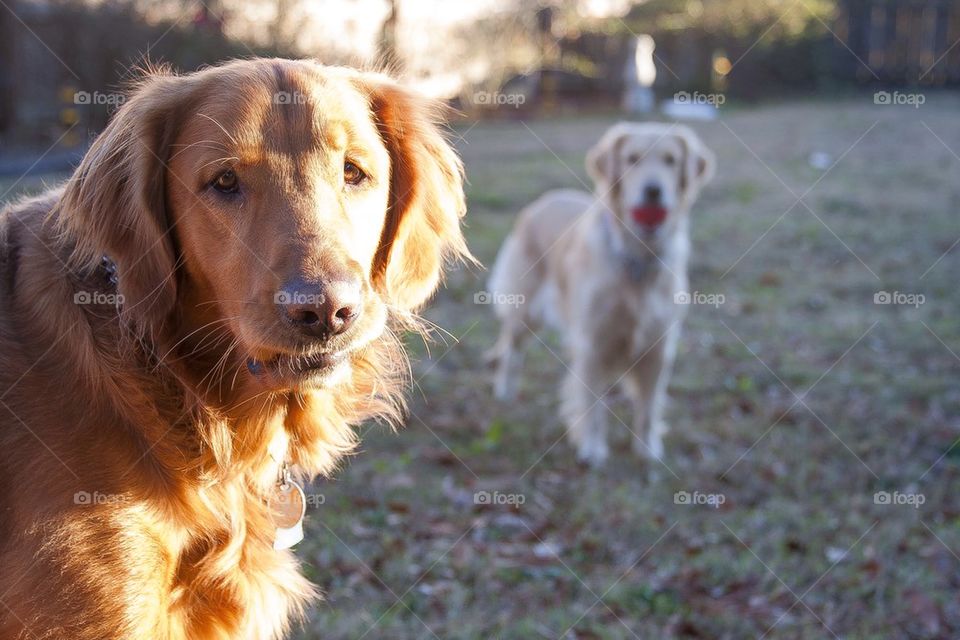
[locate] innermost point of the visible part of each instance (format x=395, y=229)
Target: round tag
x=287, y=505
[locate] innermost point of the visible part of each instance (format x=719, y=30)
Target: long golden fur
x=137, y=441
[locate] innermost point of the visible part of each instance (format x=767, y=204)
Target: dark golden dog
x=209, y=301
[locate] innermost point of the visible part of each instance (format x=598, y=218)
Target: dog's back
x=541, y=230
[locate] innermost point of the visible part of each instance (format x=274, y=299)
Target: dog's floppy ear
x=699, y=164
x=422, y=229
x=115, y=205
x=604, y=157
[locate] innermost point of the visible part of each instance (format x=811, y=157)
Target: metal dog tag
x=288, y=506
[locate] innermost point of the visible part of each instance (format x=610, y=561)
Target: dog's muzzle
x=650, y=213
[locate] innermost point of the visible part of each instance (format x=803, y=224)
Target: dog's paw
x=504, y=390
x=593, y=454
x=491, y=358
x=650, y=448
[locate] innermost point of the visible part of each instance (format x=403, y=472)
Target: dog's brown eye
x=352, y=174
x=669, y=160
x=634, y=158
x=227, y=182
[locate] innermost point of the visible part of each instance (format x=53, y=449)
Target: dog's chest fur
x=623, y=312
x=645, y=312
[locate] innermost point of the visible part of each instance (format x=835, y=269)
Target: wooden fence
x=905, y=42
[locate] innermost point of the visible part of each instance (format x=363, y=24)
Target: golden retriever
x=607, y=271
x=205, y=308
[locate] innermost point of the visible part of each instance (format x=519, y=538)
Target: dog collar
x=109, y=268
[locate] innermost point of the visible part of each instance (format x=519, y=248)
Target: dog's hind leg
x=508, y=357
x=513, y=285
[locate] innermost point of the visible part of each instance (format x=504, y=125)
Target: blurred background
x=548, y=56
x=810, y=484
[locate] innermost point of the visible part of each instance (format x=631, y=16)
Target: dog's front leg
x=646, y=385
x=585, y=410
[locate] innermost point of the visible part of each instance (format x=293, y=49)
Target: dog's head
x=649, y=174
x=280, y=208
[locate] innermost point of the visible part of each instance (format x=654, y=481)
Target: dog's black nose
x=321, y=309
x=652, y=193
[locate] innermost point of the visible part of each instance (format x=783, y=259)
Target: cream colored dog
x=609, y=271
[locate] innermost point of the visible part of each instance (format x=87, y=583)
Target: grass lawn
x=794, y=402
